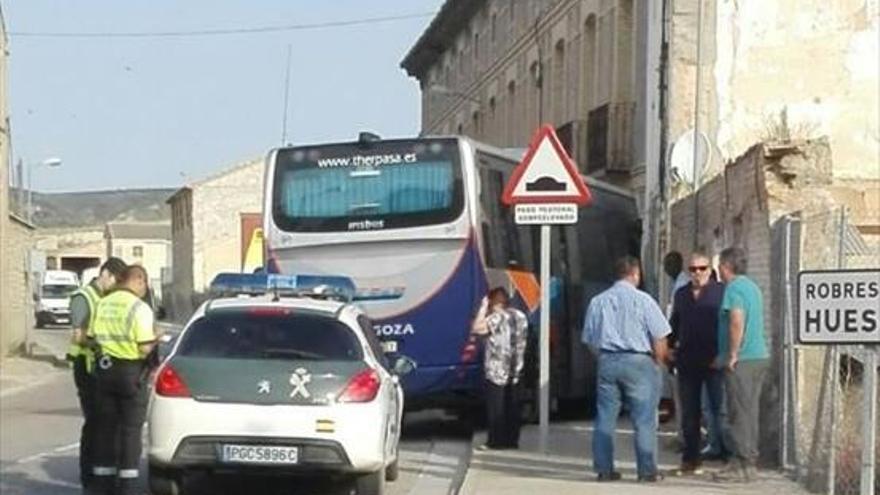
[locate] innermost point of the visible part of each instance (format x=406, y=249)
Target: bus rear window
x=347, y=188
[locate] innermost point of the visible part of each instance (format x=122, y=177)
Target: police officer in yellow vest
x=83, y=305
x=123, y=332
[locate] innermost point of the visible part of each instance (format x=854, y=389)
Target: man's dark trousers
x=744, y=385
x=85, y=389
x=121, y=409
x=690, y=383
x=503, y=415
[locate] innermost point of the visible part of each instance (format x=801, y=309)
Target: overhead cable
x=218, y=32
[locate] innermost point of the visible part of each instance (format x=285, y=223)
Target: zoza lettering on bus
x=394, y=329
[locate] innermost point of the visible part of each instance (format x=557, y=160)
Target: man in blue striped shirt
x=627, y=330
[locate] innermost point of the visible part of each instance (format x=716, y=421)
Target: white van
x=53, y=301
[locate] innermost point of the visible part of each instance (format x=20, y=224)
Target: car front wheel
x=371, y=483
x=392, y=472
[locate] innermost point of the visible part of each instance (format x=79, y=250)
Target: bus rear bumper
x=448, y=387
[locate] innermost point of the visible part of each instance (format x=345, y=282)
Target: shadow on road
x=53, y=478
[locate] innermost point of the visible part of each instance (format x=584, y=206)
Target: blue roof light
x=254, y=284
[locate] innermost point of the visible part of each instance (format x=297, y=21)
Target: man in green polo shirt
x=742, y=353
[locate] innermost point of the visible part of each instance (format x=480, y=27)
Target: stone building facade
x=145, y=244
x=618, y=80
x=497, y=69
x=206, y=219
x=16, y=237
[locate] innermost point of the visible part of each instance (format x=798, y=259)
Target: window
x=559, y=82
x=512, y=117
x=476, y=48
x=137, y=251
x=270, y=333
x=492, y=106
x=589, y=60
x=475, y=119
x=501, y=242
x=393, y=184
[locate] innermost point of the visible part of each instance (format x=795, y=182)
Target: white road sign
x=546, y=214
x=839, y=307
x=546, y=174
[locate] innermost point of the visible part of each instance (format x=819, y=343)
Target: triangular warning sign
x=546, y=174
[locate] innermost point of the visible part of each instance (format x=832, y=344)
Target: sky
x=160, y=112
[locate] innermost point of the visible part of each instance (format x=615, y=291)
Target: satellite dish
x=681, y=159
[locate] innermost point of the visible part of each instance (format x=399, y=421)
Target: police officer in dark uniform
x=123, y=332
x=83, y=306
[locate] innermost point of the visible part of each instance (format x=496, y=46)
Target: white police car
x=276, y=382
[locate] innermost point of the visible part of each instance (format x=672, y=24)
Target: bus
x=419, y=226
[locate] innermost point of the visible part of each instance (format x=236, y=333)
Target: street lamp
x=443, y=90
x=49, y=162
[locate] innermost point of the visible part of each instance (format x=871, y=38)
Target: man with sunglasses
x=694, y=323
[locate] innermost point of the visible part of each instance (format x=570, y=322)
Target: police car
x=277, y=375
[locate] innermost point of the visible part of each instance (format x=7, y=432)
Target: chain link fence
x=825, y=427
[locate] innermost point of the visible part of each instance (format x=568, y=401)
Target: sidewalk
x=18, y=374
x=567, y=468
x=50, y=345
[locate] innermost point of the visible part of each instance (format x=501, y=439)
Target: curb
x=466, y=487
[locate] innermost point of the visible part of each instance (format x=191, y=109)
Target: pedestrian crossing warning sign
x=546, y=174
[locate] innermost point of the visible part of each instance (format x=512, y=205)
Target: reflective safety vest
x=122, y=322
x=90, y=294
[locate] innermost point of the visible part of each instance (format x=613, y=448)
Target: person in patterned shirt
x=504, y=331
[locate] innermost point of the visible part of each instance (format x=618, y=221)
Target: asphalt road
x=39, y=433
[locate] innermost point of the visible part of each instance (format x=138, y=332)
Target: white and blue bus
x=419, y=226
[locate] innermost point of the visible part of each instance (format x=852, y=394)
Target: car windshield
x=277, y=334
x=58, y=291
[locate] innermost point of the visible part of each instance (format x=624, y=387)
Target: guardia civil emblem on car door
x=264, y=387
x=299, y=379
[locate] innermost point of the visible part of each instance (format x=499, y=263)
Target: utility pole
x=286, y=100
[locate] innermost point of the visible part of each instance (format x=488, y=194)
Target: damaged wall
x=781, y=70
x=739, y=208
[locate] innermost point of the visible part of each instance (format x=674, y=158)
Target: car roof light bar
x=257, y=284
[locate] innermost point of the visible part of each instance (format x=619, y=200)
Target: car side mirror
x=403, y=366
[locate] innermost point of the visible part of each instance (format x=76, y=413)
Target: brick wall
x=17, y=303
x=739, y=208
x=217, y=208
x=206, y=229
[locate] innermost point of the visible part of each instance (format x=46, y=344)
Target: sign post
x=839, y=307
x=545, y=189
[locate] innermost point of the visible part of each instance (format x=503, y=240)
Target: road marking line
x=65, y=448
x=52, y=453
x=29, y=459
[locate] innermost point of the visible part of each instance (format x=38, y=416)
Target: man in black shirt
x=694, y=324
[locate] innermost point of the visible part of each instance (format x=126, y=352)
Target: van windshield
x=58, y=291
